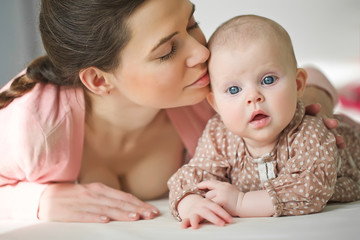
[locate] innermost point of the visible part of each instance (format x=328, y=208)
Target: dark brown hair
x=76, y=35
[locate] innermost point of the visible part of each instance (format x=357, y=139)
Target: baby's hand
x=194, y=209
x=224, y=194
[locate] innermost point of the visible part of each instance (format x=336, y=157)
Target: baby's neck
x=258, y=149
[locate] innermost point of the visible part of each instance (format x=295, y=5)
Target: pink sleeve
x=318, y=79
x=20, y=201
x=41, y=141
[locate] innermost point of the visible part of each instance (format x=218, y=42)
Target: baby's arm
x=209, y=162
x=250, y=204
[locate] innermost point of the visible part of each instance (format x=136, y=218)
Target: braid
x=18, y=88
x=40, y=70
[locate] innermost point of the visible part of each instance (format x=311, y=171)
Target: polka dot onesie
x=301, y=174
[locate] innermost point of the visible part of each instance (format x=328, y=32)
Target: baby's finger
x=210, y=195
x=195, y=221
x=213, y=218
x=185, y=223
x=220, y=212
x=208, y=184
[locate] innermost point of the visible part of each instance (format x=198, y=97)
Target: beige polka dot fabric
x=301, y=174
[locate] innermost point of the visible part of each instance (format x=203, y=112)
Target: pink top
x=41, y=142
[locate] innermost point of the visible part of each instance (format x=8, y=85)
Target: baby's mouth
x=259, y=116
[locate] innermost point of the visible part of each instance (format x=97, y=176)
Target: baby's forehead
x=246, y=32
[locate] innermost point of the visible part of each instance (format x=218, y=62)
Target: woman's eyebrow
x=164, y=40
x=167, y=38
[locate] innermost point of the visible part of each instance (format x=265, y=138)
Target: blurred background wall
x=325, y=33
x=19, y=36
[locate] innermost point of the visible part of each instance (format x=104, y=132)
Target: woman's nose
x=198, y=55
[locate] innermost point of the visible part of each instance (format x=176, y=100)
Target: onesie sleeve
x=307, y=181
x=347, y=187
x=208, y=163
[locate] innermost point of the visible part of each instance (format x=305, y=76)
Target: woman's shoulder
x=45, y=106
x=42, y=125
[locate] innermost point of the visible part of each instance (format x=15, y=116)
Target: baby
x=260, y=155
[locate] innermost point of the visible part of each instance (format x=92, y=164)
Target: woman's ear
x=94, y=79
x=211, y=100
x=301, y=77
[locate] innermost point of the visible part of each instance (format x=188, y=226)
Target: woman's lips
x=203, y=81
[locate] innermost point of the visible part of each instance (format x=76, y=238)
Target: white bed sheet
x=337, y=221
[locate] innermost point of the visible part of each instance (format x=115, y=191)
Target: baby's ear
x=301, y=77
x=211, y=100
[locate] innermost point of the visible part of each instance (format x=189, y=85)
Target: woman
x=104, y=118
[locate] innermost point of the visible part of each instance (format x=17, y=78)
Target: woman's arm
x=20, y=201
x=320, y=90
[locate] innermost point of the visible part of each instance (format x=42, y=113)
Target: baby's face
x=254, y=89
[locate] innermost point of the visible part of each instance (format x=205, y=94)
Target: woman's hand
x=194, y=209
x=95, y=202
x=314, y=95
x=317, y=101
x=330, y=123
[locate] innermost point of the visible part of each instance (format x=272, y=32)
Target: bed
x=336, y=221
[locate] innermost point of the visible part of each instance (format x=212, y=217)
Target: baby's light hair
x=247, y=28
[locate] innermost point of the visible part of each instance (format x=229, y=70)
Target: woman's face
x=165, y=62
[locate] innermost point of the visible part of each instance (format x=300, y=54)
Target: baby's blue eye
x=268, y=80
x=234, y=90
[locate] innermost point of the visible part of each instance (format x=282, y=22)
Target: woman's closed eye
x=170, y=54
